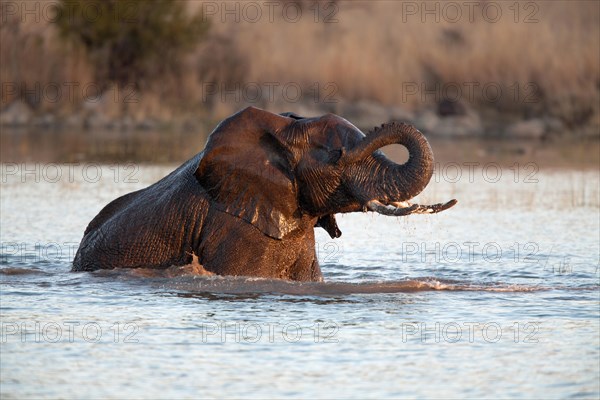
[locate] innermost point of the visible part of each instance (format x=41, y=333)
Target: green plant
x=131, y=41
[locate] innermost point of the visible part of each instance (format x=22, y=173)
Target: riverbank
x=68, y=145
x=443, y=119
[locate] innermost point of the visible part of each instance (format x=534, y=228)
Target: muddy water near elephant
x=497, y=297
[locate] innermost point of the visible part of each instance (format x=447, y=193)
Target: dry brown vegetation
x=548, y=65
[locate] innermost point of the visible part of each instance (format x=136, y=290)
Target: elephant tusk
x=378, y=207
x=439, y=207
x=405, y=208
x=401, y=204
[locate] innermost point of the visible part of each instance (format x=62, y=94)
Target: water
x=497, y=297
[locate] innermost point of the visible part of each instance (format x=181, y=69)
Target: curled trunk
x=393, y=181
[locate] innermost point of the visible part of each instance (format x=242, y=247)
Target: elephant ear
x=245, y=168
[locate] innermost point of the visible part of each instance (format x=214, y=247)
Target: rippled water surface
x=497, y=297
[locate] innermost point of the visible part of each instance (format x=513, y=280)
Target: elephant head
x=275, y=171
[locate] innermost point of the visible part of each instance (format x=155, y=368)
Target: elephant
x=248, y=204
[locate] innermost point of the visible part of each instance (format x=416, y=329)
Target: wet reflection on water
x=68, y=146
x=177, y=145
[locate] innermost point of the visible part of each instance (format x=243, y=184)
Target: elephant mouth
x=402, y=208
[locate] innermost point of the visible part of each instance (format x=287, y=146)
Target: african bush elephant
x=248, y=204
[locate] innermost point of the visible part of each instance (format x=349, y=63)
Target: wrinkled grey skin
x=248, y=204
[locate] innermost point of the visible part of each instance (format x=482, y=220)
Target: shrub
x=130, y=41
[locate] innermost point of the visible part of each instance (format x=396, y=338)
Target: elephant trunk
x=394, y=182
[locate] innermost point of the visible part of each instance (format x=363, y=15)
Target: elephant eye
x=335, y=155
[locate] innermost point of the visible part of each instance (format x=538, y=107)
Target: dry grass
x=373, y=50
x=33, y=60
